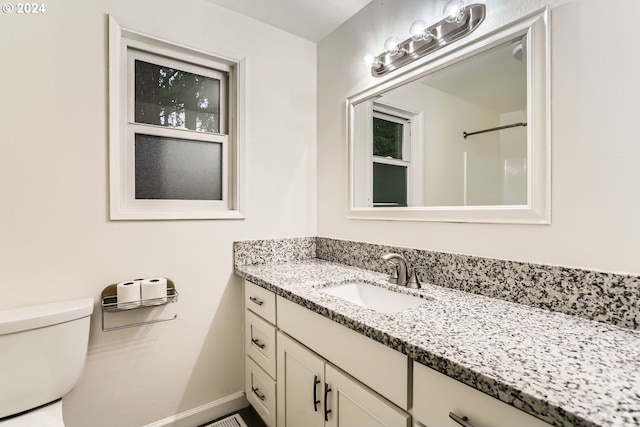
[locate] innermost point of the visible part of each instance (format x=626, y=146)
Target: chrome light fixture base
x=443, y=33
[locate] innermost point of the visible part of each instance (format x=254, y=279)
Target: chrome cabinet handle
x=256, y=392
x=256, y=300
x=327, y=411
x=316, y=381
x=257, y=343
x=464, y=421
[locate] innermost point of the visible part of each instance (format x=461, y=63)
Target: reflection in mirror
x=456, y=138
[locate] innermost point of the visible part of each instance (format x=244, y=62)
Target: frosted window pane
x=389, y=185
x=177, y=169
x=170, y=97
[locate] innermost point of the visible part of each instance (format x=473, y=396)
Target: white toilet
x=43, y=350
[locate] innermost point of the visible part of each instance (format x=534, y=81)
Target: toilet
x=43, y=349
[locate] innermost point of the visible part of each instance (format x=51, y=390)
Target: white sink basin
x=374, y=297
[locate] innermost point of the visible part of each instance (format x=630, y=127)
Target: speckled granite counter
x=566, y=370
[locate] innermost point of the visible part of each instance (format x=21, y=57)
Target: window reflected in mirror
x=391, y=137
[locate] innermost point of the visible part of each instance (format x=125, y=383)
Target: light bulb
x=454, y=11
x=370, y=59
x=420, y=31
x=392, y=46
x=417, y=30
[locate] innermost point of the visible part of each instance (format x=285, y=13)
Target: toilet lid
x=49, y=415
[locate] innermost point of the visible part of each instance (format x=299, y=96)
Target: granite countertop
x=566, y=370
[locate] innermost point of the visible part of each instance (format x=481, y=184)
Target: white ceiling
x=310, y=19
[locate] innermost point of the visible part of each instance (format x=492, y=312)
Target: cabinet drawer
x=260, y=342
x=261, y=301
x=261, y=392
x=435, y=395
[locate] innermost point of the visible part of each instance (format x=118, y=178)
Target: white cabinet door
x=352, y=405
x=300, y=385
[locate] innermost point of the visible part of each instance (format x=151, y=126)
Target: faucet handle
x=414, y=282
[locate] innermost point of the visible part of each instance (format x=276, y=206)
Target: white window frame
x=411, y=150
x=125, y=46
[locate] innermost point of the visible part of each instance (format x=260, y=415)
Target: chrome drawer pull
x=464, y=421
x=255, y=391
x=256, y=300
x=257, y=343
x=316, y=381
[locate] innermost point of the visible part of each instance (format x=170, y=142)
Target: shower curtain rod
x=465, y=134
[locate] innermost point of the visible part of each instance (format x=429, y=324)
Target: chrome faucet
x=399, y=275
x=402, y=274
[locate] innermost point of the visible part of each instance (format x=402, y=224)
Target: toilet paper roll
x=128, y=294
x=154, y=291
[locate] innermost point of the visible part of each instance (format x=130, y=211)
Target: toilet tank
x=43, y=349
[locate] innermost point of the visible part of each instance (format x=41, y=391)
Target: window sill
x=133, y=215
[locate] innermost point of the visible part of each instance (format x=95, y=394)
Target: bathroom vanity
x=313, y=358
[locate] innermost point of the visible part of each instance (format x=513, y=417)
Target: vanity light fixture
x=459, y=21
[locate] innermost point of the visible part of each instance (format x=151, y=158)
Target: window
x=391, y=148
x=174, y=122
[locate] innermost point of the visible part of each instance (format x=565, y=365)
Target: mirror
x=464, y=137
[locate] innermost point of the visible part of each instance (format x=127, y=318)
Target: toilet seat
x=48, y=415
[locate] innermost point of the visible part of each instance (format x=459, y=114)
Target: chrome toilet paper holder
x=109, y=301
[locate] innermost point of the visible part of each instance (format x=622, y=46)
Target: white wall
x=513, y=159
x=595, y=92
x=56, y=240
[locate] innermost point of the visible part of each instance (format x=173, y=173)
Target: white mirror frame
x=538, y=207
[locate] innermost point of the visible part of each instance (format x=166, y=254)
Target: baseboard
x=204, y=413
